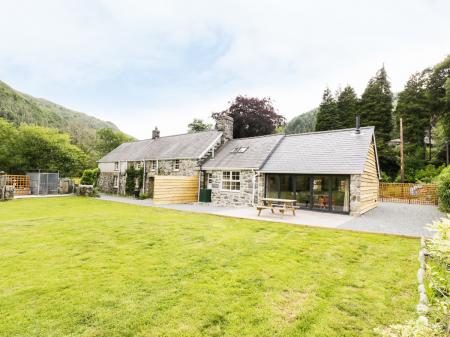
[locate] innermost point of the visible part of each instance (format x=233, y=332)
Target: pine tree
x=327, y=117
x=413, y=108
x=376, y=106
x=347, y=104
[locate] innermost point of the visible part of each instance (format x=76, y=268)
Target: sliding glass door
x=318, y=192
x=321, y=192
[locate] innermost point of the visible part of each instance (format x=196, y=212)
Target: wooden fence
x=422, y=194
x=175, y=189
x=20, y=182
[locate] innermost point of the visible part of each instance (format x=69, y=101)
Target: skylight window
x=239, y=149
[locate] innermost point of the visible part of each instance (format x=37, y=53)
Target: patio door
x=321, y=193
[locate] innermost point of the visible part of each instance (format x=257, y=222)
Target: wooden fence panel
x=422, y=194
x=175, y=189
x=20, y=182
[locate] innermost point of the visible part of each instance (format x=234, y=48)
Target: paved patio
x=387, y=218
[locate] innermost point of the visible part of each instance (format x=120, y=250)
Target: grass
x=86, y=267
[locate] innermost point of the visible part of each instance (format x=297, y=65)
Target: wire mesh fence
x=422, y=194
x=43, y=182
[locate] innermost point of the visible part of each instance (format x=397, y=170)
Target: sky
x=142, y=64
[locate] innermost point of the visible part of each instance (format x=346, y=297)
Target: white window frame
x=137, y=165
x=231, y=179
x=153, y=165
x=176, y=165
x=115, y=181
x=116, y=166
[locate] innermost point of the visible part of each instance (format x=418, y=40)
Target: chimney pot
x=155, y=133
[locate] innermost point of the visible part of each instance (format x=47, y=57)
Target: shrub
x=143, y=196
x=428, y=173
x=90, y=177
x=443, y=189
x=135, y=179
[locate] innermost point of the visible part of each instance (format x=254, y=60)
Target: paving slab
x=387, y=218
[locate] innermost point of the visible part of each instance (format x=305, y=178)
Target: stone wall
x=355, y=194
x=105, y=182
x=243, y=197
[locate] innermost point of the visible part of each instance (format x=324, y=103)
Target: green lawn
x=85, y=267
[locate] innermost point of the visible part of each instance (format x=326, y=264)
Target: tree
x=376, y=110
x=347, y=105
x=252, y=116
x=413, y=108
x=8, y=154
x=197, y=125
x=376, y=106
x=108, y=140
x=48, y=149
x=438, y=90
x=305, y=122
x=327, y=117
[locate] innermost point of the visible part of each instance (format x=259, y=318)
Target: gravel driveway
x=395, y=218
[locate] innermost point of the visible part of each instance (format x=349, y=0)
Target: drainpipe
x=143, y=178
x=255, y=174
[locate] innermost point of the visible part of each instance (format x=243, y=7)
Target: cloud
x=141, y=63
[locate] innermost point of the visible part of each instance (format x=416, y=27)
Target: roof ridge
x=179, y=134
x=328, y=131
x=271, y=135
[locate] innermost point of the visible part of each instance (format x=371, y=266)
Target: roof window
x=239, y=149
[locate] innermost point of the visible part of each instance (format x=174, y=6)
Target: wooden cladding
x=369, y=183
x=21, y=183
x=175, y=189
x=422, y=194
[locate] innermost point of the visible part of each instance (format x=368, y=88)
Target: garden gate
x=422, y=194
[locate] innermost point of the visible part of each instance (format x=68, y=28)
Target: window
x=239, y=149
x=116, y=166
x=176, y=165
x=153, y=165
x=137, y=165
x=231, y=181
x=116, y=181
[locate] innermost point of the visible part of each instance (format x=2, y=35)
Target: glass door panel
x=286, y=187
x=303, y=191
x=340, y=194
x=272, y=186
x=321, y=192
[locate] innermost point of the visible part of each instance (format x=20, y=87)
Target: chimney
x=155, y=133
x=358, y=125
x=224, y=124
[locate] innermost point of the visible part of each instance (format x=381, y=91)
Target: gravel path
x=387, y=218
x=395, y=218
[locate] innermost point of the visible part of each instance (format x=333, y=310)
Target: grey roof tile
x=185, y=146
x=259, y=148
x=328, y=152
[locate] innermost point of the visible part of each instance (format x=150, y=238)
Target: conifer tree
x=347, y=104
x=327, y=117
x=376, y=106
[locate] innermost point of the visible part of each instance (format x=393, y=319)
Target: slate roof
x=259, y=149
x=328, y=152
x=185, y=146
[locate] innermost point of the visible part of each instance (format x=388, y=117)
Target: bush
x=135, y=179
x=428, y=173
x=90, y=177
x=443, y=190
x=143, y=196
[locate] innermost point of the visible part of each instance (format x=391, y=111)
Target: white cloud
x=71, y=51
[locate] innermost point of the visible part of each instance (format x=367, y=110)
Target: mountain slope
x=19, y=108
x=306, y=122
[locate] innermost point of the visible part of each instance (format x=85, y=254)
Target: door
x=303, y=191
x=321, y=193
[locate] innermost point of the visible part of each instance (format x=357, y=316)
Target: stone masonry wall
x=355, y=194
x=243, y=197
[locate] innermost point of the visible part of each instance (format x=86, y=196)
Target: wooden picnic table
x=281, y=205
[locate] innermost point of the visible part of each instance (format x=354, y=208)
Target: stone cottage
x=332, y=171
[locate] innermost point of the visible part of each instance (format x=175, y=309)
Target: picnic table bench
x=280, y=205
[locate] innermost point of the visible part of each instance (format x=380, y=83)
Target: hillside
x=19, y=108
x=305, y=122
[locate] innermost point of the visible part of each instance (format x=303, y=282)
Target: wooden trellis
x=20, y=182
x=423, y=194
